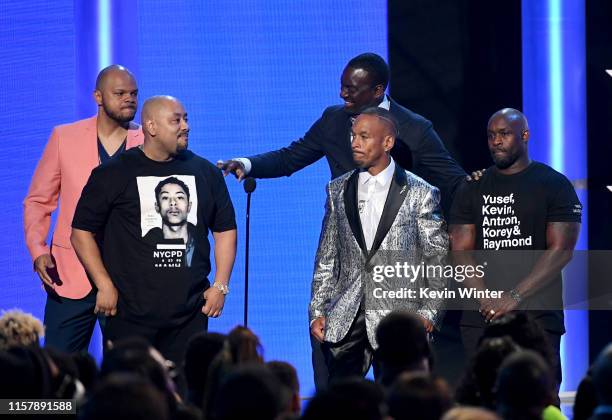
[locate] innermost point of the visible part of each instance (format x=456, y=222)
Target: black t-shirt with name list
x=511, y=213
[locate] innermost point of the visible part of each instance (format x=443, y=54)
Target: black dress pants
x=171, y=341
x=353, y=355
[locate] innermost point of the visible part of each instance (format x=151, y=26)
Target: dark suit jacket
x=418, y=149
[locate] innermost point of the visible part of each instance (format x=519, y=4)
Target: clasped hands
x=492, y=309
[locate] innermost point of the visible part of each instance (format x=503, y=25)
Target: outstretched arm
x=284, y=161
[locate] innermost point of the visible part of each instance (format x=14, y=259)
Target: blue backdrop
x=253, y=75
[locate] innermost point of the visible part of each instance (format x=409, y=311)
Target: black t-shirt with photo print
x=160, y=280
x=511, y=213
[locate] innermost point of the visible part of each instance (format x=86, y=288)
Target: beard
x=504, y=161
x=117, y=116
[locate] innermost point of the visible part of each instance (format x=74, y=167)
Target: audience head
x=26, y=373
x=241, y=347
x=470, y=413
x=586, y=398
x=244, y=346
x=88, y=369
x=136, y=356
x=249, y=391
x=287, y=376
x=125, y=397
x=65, y=375
x=18, y=328
x=402, y=345
x=524, y=386
x=479, y=380
x=602, y=376
x=201, y=350
x=355, y=398
x=526, y=333
x=418, y=396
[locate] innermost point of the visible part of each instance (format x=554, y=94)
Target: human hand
x=498, y=308
x=41, y=264
x=476, y=175
x=214, y=302
x=106, y=300
x=428, y=325
x=317, y=329
x=232, y=166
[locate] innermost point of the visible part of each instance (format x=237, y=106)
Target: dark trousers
x=447, y=348
x=353, y=355
x=69, y=323
x=171, y=342
x=319, y=366
x=471, y=335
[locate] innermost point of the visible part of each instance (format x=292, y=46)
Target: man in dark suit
x=417, y=146
x=363, y=84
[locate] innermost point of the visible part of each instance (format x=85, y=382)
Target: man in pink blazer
x=72, y=151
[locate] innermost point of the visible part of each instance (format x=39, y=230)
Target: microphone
x=249, y=187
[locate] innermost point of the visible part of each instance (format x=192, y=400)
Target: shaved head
x=513, y=116
x=108, y=71
x=116, y=94
x=154, y=105
x=508, y=136
x=165, y=126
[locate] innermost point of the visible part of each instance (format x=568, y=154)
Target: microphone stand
x=249, y=187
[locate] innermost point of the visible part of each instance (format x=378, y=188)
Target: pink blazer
x=62, y=172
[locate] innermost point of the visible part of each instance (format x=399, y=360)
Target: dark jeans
x=171, y=342
x=353, y=355
x=69, y=323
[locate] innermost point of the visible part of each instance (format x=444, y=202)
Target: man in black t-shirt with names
x=152, y=281
x=525, y=218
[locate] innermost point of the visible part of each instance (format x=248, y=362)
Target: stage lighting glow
x=554, y=100
x=556, y=85
x=104, y=33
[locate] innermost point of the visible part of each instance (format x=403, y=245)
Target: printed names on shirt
x=501, y=228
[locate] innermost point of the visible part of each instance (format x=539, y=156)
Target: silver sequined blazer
x=411, y=223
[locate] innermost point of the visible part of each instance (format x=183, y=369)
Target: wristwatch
x=515, y=296
x=221, y=287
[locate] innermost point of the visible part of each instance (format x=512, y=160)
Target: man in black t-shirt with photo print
x=173, y=204
x=525, y=218
x=156, y=206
